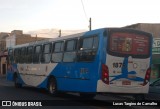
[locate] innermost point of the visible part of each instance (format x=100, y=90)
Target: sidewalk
x=2, y=76
x=4, y=82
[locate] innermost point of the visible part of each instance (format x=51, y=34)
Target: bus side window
x=46, y=53
x=95, y=42
x=22, y=55
x=37, y=54
x=70, y=51
x=16, y=55
x=29, y=54
x=57, y=51
x=87, y=48
x=10, y=56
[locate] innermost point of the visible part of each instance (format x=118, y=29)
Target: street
x=67, y=101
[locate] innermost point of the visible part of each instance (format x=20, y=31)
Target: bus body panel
x=126, y=69
x=102, y=87
x=10, y=71
x=123, y=70
x=67, y=79
x=35, y=74
x=126, y=73
x=70, y=76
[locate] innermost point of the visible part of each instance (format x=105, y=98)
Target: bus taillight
x=147, y=76
x=105, y=74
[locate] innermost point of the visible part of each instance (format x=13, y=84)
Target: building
x=7, y=40
x=3, y=53
x=17, y=37
x=3, y=36
x=154, y=29
x=148, y=27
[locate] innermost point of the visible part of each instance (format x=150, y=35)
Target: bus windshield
x=132, y=44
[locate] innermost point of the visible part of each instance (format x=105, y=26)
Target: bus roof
x=96, y=31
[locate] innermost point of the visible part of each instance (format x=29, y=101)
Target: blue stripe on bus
x=125, y=73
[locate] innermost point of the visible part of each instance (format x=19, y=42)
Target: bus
x=106, y=60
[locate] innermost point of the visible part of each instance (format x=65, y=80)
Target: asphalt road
x=65, y=101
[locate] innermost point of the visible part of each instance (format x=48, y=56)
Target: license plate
x=126, y=82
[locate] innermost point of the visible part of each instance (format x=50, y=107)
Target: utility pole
x=36, y=38
x=59, y=33
x=90, y=24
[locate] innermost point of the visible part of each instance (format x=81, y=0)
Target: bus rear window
x=129, y=44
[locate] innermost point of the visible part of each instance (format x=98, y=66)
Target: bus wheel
x=52, y=87
x=16, y=84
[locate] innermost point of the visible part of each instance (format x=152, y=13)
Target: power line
x=84, y=10
x=90, y=20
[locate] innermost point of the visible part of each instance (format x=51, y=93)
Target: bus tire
x=52, y=86
x=16, y=84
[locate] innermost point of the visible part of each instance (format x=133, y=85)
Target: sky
x=28, y=15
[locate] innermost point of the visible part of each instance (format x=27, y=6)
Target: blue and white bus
x=108, y=60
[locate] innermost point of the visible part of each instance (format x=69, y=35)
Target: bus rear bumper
x=102, y=87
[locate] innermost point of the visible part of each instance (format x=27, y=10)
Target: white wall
x=10, y=41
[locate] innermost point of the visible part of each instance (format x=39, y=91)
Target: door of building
x=4, y=69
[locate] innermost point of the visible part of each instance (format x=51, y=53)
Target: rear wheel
x=16, y=84
x=52, y=86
